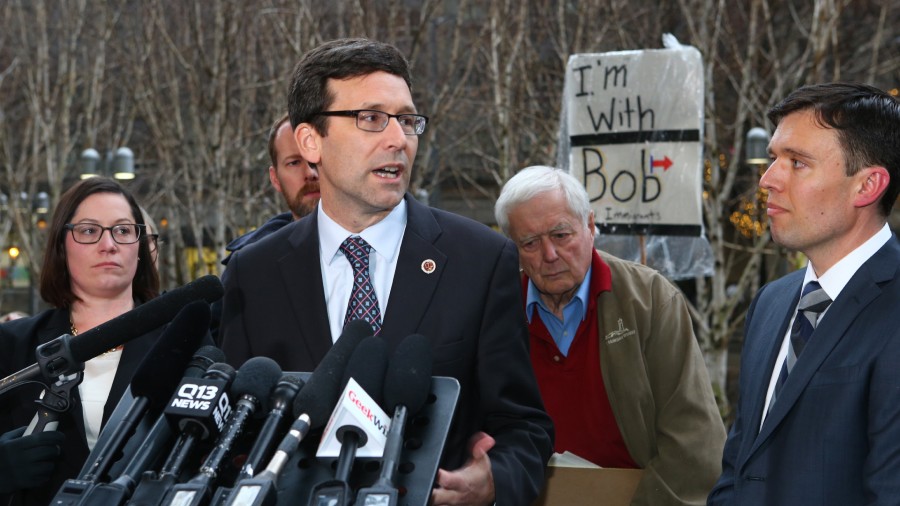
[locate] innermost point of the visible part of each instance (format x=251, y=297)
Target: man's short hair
x=337, y=59
x=273, y=132
x=867, y=123
x=530, y=182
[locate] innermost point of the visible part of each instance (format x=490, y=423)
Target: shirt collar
x=836, y=278
x=533, y=298
x=384, y=236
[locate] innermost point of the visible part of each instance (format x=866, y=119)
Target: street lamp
x=119, y=164
x=757, y=147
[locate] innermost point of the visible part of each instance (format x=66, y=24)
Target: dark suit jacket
x=18, y=340
x=833, y=436
x=470, y=307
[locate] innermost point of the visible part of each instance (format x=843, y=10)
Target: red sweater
x=572, y=386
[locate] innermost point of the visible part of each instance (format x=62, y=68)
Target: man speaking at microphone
x=410, y=269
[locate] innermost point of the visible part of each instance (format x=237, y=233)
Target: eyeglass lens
x=377, y=121
x=88, y=233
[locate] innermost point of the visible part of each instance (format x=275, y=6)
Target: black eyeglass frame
x=140, y=228
x=354, y=113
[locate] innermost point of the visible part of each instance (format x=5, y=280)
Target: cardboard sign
x=631, y=131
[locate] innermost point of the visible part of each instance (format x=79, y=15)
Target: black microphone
x=154, y=380
x=311, y=407
x=151, y=385
x=196, y=422
x=406, y=387
x=255, y=379
x=323, y=388
x=367, y=367
x=66, y=354
x=158, y=437
x=281, y=400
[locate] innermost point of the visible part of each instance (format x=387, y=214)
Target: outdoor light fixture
x=757, y=147
x=119, y=165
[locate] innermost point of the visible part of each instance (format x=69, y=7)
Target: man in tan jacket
x=612, y=347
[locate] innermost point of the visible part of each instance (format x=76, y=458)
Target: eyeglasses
x=376, y=121
x=90, y=233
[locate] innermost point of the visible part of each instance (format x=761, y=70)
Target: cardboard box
x=575, y=486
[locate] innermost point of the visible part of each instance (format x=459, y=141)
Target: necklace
x=75, y=333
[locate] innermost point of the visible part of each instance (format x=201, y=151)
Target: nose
x=312, y=172
x=106, y=240
x=771, y=178
x=396, y=137
x=548, y=250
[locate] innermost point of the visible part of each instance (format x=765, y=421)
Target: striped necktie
x=813, y=302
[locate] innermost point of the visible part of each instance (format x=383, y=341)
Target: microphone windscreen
x=323, y=388
x=163, y=367
x=408, y=379
x=292, y=379
x=142, y=319
x=204, y=357
x=256, y=378
x=367, y=366
x=220, y=370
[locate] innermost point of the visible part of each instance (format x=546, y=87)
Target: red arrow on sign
x=665, y=163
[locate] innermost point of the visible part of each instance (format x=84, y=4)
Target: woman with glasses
x=97, y=265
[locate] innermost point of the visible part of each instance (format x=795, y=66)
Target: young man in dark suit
x=817, y=420
x=433, y=273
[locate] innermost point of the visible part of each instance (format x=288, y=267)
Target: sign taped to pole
x=631, y=132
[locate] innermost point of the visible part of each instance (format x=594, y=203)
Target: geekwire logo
x=367, y=412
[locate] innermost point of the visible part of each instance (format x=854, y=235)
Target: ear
x=273, y=178
x=872, y=183
x=308, y=140
x=592, y=227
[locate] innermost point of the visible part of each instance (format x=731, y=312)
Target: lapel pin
x=428, y=266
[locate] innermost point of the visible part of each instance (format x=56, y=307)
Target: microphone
x=281, y=400
x=367, y=367
x=153, y=381
x=159, y=435
x=255, y=379
x=66, y=354
x=156, y=377
x=406, y=387
x=311, y=407
x=324, y=386
x=195, y=423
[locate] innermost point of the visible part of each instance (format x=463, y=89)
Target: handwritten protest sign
x=631, y=130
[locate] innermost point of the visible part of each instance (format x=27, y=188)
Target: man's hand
x=473, y=483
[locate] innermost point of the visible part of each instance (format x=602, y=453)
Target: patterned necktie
x=813, y=302
x=363, y=304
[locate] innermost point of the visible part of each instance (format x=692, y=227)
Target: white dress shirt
x=337, y=275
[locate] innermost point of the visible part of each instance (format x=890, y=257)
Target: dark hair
x=56, y=286
x=337, y=59
x=867, y=122
x=273, y=132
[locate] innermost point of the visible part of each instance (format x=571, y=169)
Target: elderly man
x=612, y=346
